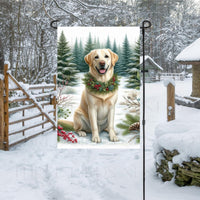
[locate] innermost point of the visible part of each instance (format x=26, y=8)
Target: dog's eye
x=106, y=56
x=96, y=57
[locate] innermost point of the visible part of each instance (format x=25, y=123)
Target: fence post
x=6, y=106
x=170, y=102
x=1, y=114
x=54, y=99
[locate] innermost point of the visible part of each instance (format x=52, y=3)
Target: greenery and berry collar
x=101, y=87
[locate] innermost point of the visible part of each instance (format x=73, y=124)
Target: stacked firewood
x=188, y=173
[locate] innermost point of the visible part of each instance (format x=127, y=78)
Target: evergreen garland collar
x=101, y=87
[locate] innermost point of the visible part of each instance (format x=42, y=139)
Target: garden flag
x=98, y=83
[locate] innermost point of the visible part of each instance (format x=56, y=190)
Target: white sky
x=117, y=33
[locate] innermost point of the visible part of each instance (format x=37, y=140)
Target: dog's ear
x=88, y=58
x=114, y=57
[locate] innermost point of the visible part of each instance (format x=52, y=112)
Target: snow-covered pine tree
x=66, y=67
x=88, y=47
x=134, y=69
x=125, y=59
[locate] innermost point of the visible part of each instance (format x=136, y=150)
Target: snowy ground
x=38, y=170
x=120, y=111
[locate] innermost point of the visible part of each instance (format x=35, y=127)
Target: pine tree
x=115, y=50
x=88, y=47
x=126, y=55
x=97, y=44
x=76, y=54
x=81, y=57
x=108, y=44
x=134, y=68
x=66, y=67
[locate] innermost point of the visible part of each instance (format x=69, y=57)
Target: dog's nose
x=102, y=63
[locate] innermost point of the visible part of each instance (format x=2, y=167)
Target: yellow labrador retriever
x=96, y=111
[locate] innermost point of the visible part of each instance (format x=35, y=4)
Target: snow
x=151, y=60
x=190, y=53
x=168, y=81
x=120, y=111
x=7, y=63
x=38, y=170
x=1, y=76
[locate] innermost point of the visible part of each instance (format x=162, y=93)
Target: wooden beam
x=54, y=98
x=25, y=118
x=25, y=128
x=30, y=137
x=170, y=102
x=33, y=100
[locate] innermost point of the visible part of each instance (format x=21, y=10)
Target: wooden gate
x=25, y=108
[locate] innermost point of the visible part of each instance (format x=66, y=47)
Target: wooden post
x=54, y=100
x=6, y=106
x=1, y=114
x=170, y=102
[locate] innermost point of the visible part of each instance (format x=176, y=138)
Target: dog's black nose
x=102, y=63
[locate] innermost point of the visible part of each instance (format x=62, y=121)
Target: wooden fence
x=175, y=76
x=38, y=100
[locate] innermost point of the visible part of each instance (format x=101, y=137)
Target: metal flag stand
x=145, y=24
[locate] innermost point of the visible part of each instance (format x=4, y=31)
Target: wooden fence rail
x=29, y=100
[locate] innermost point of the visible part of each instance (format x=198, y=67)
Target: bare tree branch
x=43, y=5
x=66, y=11
x=91, y=6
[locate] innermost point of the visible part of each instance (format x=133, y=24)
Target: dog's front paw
x=113, y=138
x=96, y=139
x=81, y=133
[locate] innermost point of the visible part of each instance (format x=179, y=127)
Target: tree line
x=71, y=59
x=29, y=43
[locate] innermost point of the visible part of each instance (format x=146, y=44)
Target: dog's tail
x=67, y=125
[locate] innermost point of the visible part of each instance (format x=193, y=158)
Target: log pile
x=186, y=174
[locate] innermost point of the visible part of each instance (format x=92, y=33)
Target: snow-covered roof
x=191, y=53
x=151, y=60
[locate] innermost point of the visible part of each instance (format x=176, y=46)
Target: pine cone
x=135, y=126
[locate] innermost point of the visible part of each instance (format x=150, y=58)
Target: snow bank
x=181, y=136
x=190, y=53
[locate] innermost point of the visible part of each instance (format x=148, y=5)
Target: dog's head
x=101, y=60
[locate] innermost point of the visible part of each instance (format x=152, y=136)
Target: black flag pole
x=145, y=24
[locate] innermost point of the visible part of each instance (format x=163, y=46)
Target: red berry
x=73, y=136
x=107, y=89
x=60, y=128
x=76, y=140
x=63, y=132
